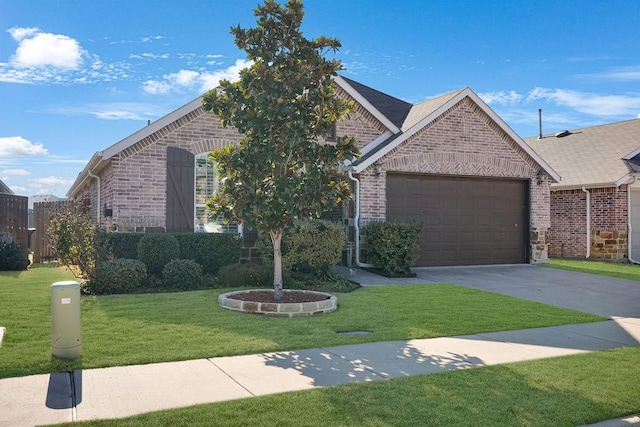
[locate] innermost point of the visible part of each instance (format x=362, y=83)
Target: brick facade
x=608, y=231
x=464, y=141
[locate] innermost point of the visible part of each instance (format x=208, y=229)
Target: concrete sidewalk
x=127, y=390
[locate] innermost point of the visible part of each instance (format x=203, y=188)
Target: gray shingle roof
x=4, y=188
x=394, y=109
x=590, y=157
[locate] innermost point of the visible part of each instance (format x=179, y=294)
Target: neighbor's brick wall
x=463, y=141
x=609, y=236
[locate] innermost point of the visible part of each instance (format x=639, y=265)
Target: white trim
x=632, y=154
x=366, y=104
x=100, y=157
x=373, y=144
x=466, y=92
x=588, y=225
x=629, y=224
x=356, y=220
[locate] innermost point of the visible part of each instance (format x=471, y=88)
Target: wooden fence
x=40, y=241
x=13, y=219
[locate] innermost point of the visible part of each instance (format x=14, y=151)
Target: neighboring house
x=450, y=162
x=13, y=216
x=596, y=206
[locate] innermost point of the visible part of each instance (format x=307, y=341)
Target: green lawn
x=566, y=391
x=611, y=269
x=145, y=328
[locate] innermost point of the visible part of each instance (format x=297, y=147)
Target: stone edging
x=279, y=309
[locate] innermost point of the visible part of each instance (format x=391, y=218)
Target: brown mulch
x=267, y=296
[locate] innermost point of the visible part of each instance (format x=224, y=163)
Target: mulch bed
x=288, y=297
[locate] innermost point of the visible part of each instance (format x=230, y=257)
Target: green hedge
x=391, y=245
x=246, y=276
x=156, y=250
x=210, y=250
x=182, y=274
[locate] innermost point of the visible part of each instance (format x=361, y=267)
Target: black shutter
x=180, y=190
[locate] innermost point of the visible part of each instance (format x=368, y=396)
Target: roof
x=4, y=188
x=599, y=156
x=401, y=118
x=419, y=116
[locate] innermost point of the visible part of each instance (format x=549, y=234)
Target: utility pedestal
x=65, y=320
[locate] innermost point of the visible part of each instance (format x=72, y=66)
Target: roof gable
x=392, y=108
x=597, y=156
x=421, y=115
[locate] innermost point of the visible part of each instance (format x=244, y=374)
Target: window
x=207, y=184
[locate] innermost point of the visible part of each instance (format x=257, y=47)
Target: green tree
x=282, y=104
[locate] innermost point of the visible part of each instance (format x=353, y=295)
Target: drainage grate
x=347, y=333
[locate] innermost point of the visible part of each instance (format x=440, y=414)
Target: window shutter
x=180, y=190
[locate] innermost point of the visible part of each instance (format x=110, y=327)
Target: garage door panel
x=466, y=221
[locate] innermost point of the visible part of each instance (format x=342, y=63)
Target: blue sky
x=77, y=76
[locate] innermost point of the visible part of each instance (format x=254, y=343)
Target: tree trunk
x=276, y=239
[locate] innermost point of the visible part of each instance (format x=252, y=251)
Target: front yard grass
x=146, y=328
x=610, y=269
x=566, y=391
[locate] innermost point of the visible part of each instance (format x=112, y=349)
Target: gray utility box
x=65, y=320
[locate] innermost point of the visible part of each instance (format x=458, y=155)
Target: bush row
x=210, y=250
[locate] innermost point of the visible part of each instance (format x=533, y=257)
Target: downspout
x=630, y=228
x=588, y=222
x=356, y=221
x=98, y=204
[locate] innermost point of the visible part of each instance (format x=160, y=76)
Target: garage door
x=466, y=221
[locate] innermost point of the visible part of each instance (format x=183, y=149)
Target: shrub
x=73, y=239
x=123, y=245
x=309, y=246
x=12, y=257
x=183, y=274
x=246, y=276
x=118, y=276
x=210, y=250
x=156, y=250
x=391, y=245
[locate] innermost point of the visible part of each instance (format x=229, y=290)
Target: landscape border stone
x=291, y=309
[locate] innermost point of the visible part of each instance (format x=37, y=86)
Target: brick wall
x=568, y=234
x=464, y=141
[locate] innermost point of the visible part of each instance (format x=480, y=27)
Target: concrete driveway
x=590, y=293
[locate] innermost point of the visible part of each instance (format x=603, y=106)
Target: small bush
x=183, y=274
x=246, y=276
x=12, y=257
x=118, y=276
x=210, y=250
x=309, y=246
x=391, y=245
x=156, y=250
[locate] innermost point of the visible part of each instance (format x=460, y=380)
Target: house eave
x=366, y=104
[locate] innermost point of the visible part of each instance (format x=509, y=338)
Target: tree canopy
x=283, y=104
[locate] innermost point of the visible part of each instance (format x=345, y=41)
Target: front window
x=207, y=185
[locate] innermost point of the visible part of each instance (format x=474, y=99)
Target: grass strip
x=565, y=391
x=609, y=269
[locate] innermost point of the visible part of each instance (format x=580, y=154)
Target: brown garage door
x=466, y=221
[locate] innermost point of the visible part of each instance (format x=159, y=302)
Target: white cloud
x=13, y=172
x=38, y=49
x=18, y=146
x=189, y=79
x=501, y=97
x=589, y=103
x=51, y=181
x=150, y=39
x=111, y=111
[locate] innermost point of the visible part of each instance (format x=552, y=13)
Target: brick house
x=595, y=209
x=450, y=162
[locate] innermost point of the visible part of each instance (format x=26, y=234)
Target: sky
x=77, y=76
